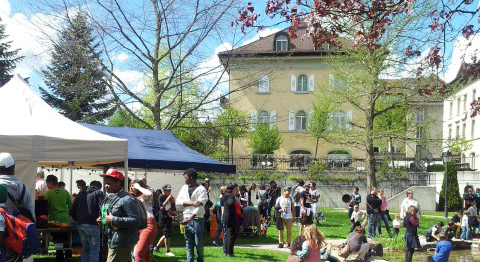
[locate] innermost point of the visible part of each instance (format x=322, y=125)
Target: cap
x=6, y=160
x=287, y=188
x=114, y=173
x=167, y=187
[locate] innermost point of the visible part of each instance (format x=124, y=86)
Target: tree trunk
x=391, y=153
x=371, y=178
x=316, y=147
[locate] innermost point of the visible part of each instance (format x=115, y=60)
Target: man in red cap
x=121, y=219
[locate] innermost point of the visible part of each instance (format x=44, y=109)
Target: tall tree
x=233, y=123
x=76, y=81
x=8, y=58
x=265, y=139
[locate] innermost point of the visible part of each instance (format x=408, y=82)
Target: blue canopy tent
x=161, y=149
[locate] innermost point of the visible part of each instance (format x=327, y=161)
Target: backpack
x=142, y=213
x=20, y=232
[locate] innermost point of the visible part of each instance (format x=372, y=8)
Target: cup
x=182, y=229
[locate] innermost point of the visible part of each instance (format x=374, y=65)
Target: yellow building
x=275, y=81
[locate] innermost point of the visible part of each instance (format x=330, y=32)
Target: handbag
x=344, y=249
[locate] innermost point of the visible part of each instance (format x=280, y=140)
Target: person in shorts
x=306, y=214
x=167, y=206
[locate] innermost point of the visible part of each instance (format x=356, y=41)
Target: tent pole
x=71, y=176
x=126, y=175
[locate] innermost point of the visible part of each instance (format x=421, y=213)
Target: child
x=356, y=217
x=472, y=218
x=442, y=250
x=311, y=246
x=294, y=247
x=450, y=230
x=465, y=226
x=457, y=220
x=433, y=232
x=396, y=224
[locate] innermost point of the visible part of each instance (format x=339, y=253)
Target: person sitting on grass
x=442, y=250
x=450, y=230
x=356, y=217
x=311, y=247
x=434, y=231
x=294, y=248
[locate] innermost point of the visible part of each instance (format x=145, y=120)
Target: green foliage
x=233, y=123
x=459, y=144
x=435, y=168
x=8, y=58
x=385, y=172
x=199, y=136
x=320, y=122
x=123, y=118
x=315, y=170
x=454, y=197
x=76, y=81
x=264, y=140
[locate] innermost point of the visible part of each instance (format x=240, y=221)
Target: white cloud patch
x=263, y=33
x=463, y=52
x=134, y=80
x=5, y=8
x=122, y=57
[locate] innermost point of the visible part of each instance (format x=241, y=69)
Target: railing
x=301, y=162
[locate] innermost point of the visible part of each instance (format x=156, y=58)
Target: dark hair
x=451, y=223
x=61, y=183
x=96, y=184
x=242, y=188
x=301, y=182
x=313, y=184
x=81, y=182
x=442, y=236
x=192, y=173
x=356, y=188
x=440, y=224
x=297, y=244
x=7, y=170
x=158, y=192
x=262, y=187
x=52, y=179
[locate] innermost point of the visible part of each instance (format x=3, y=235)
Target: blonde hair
x=409, y=191
x=466, y=212
x=411, y=210
x=223, y=189
x=314, y=236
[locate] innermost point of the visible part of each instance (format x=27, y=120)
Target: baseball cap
x=167, y=187
x=114, y=173
x=287, y=188
x=6, y=160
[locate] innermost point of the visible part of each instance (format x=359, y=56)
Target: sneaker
x=215, y=244
x=170, y=254
x=280, y=245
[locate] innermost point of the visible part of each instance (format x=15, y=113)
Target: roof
x=161, y=149
x=265, y=47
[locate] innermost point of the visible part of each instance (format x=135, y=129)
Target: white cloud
x=122, y=57
x=463, y=51
x=263, y=33
x=134, y=80
x=5, y=8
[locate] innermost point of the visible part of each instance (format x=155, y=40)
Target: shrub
x=436, y=168
x=454, y=198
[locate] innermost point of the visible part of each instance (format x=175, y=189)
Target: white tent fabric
x=34, y=133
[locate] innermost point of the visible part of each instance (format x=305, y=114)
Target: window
x=376, y=149
x=420, y=132
x=472, y=160
x=464, y=103
x=457, y=131
x=263, y=117
x=339, y=117
x=474, y=95
x=472, y=130
x=264, y=84
x=281, y=43
x=301, y=120
x=420, y=114
x=302, y=83
x=458, y=106
x=451, y=109
x=450, y=132
x=464, y=130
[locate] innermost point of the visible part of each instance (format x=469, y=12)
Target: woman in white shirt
x=285, y=206
x=147, y=235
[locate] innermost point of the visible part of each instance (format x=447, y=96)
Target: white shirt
x=357, y=216
x=41, y=187
x=286, y=205
x=199, y=194
x=465, y=221
x=406, y=203
x=298, y=190
x=148, y=204
x=396, y=223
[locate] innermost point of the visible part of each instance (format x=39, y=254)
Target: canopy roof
x=161, y=149
x=33, y=131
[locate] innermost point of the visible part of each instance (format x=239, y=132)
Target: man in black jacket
x=85, y=210
x=373, y=211
x=231, y=217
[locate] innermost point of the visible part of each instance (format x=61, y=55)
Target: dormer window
x=281, y=43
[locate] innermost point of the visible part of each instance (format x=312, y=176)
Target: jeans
x=350, y=212
x=262, y=208
x=409, y=254
x=383, y=217
x=465, y=233
x=224, y=243
x=90, y=237
x=218, y=232
x=194, y=238
x=372, y=223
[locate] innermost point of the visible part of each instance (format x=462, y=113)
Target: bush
x=436, y=168
x=454, y=198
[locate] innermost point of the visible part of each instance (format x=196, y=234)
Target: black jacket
x=86, y=207
x=229, y=216
x=373, y=202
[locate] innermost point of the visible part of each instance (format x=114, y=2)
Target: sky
x=19, y=27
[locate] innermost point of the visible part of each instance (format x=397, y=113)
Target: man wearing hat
x=121, y=219
x=192, y=198
x=14, y=187
x=167, y=206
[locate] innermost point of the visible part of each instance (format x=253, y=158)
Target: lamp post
x=446, y=158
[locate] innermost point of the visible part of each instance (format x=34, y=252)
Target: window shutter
x=253, y=119
x=331, y=82
x=291, y=120
x=273, y=118
x=293, y=81
x=349, y=120
x=330, y=121
x=267, y=83
x=309, y=118
x=311, y=83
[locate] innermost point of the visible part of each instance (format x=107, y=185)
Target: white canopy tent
x=36, y=134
